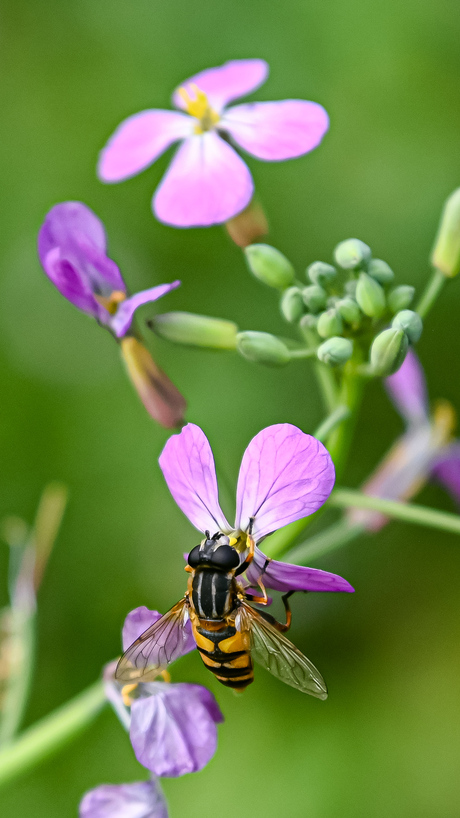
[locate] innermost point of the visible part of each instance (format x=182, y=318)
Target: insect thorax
x=213, y=593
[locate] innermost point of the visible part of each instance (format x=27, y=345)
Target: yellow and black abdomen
x=224, y=651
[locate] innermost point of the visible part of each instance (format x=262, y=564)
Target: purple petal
x=229, y=81
x=188, y=467
x=72, y=285
x=282, y=576
x=284, y=475
x=139, y=140
x=143, y=799
x=446, y=470
x=174, y=731
x=140, y=619
x=122, y=320
x=276, y=130
x=206, y=183
x=407, y=389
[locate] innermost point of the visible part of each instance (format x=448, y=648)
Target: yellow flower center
x=199, y=107
x=112, y=301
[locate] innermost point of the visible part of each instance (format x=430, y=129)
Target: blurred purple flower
x=284, y=475
x=424, y=450
x=143, y=799
x=72, y=248
x=207, y=182
x=172, y=727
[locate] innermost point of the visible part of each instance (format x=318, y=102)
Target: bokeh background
x=387, y=741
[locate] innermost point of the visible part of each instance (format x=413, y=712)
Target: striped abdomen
x=224, y=651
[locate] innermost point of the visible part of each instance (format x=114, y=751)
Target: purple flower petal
x=140, y=619
x=284, y=475
x=206, y=183
x=276, y=130
x=139, y=140
x=72, y=285
x=446, y=470
x=173, y=732
x=407, y=389
x=122, y=320
x=143, y=799
x=72, y=233
x=188, y=467
x=282, y=576
x=229, y=81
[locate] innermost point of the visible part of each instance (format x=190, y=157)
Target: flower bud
x=292, y=305
x=329, y=324
x=335, y=351
x=262, y=348
x=314, y=297
x=388, y=351
x=348, y=309
x=351, y=254
x=410, y=322
x=307, y=326
x=160, y=397
x=400, y=297
x=195, y=330
x=370, y=296
x=321, y=273
x=381, y=271
x=446, y=252
x=270, y=266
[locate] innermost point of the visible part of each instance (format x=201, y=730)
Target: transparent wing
x=157, y=647
x=278, y=655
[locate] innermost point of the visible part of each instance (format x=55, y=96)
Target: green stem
x=410, y=512
x=302, y=353
x=329, y=424
x=22, y=640
x=51, y=733
x=338, y=443
x=327, y=384
x=335, y=536
x=432, y=290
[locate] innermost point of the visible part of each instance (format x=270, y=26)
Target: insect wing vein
x=156, y=648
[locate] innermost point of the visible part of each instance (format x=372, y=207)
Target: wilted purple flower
x=172, y=727
x=143, y=799
x=207, y=182
x=423, y=451
x=284, y=475
x=72, y=247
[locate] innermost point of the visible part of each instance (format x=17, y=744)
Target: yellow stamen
x=126, y=690
x=165, y=675
x=199, y=107
x=111, y=302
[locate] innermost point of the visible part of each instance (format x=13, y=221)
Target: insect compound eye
x=194, y=557
x=226, y=557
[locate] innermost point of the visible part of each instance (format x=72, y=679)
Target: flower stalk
x=409, y=512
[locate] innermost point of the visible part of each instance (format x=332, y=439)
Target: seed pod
x=351, y=254
x=270, y=266
x=335, y=351
x=388, y=351
x=370, y=296
x=195, y=330
x=292, y=305
x=329, y=324
x=381, y=271
x=446, y=251
x=314, y=298
x=262, y=348
x=400, y=297
x=410, y=322
x=321, y=273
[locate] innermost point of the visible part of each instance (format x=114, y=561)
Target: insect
x=228, y=632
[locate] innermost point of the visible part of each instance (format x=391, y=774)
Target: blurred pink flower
x=207, y=182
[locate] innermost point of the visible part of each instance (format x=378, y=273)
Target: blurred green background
x=387, y=741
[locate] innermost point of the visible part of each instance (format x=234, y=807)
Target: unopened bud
x=388, y=351
x=307, y=327
x=321, y=273
x=314, y=298
x=270, y=266
x=350, y=312
x=351, y=254
x=381, y=271
x=335, y=351
x=262, y=348
x=160, y=397
x=195, y=330
x=400, y=297
x=292, y=305
x=370, y=296
x=446, y=251
x=329, y=324
x=410, y=322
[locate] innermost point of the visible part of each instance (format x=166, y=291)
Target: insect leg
x=286, y=627
x=260, y=600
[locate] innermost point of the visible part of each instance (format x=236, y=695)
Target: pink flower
x=207, y=182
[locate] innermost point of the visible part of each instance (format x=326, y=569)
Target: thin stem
x=302, y=353
x=329, y=424
x=339, y=441
x=335, y=536
x=327, y=384
x=22, y=641
x=51, y=733
x=410, y=512
x=431, y=292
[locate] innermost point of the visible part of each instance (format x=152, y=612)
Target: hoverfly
x=228, y=632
